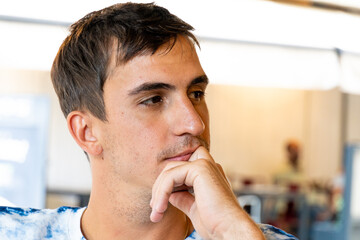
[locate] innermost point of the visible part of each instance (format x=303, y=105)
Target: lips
x=180, y=157
x=184, y=156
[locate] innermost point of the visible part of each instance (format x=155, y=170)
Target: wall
x=250, y=126
x=353, y=119
x=323, y=133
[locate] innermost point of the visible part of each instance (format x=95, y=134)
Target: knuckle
x=202, y=162
x=204, y=165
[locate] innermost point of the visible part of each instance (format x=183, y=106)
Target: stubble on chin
x=138, y=212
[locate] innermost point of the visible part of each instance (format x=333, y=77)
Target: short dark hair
x=80, y=68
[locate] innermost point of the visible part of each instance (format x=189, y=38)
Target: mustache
x=186, y=143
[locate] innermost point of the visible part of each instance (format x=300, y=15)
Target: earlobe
x=80, y=127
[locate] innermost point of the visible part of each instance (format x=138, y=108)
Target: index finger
x=201, y=153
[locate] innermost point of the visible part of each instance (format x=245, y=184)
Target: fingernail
x=152, y=215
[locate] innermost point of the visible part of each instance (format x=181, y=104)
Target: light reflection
x=15, y=107
x=7, y=174
x=13, y=150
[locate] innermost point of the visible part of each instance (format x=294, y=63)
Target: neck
x=104, y=219
x=120, y=209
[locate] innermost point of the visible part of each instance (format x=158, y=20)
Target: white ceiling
x=70, y=10
x=243, y=20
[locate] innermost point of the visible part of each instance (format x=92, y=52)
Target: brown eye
x=152, y=101
x=197, y=96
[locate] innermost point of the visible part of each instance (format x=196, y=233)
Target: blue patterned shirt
x=64, y=224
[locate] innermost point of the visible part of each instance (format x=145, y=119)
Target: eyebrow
x=203, y=79
x=145, y=87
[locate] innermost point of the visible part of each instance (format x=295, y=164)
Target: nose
x=185, y=118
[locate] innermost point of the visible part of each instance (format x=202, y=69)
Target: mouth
x=180, y=157
x=183, y=156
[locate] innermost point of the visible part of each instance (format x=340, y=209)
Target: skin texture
x=155, y=141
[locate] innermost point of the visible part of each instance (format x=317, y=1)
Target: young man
x=132, y=89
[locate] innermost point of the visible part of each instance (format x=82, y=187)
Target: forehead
x=170, y=63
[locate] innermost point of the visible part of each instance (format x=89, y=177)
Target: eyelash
x=157, y=99
x=200, y=96
x=148, y=102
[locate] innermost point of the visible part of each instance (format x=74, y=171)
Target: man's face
x=156, y=113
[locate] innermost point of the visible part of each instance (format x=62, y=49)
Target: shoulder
x=16, y=223
x=32, y=214
x=270, y=233
x=273, y=233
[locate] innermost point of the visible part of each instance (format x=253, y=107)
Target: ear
x=80, y=127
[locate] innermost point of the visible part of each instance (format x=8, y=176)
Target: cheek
x=150, y=127
x=138, y=135
x=140, y=139
x=132, y=156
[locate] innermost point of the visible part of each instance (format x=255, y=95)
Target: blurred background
x=284, y=104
